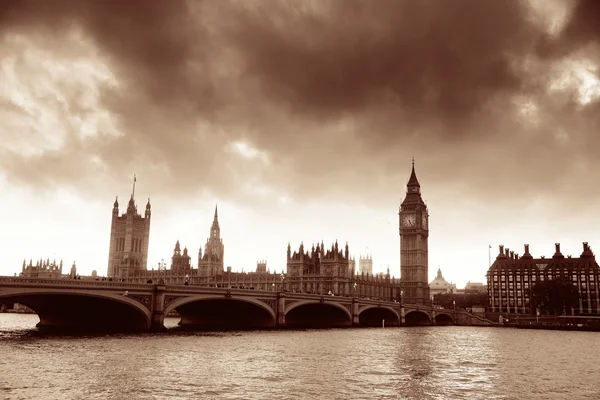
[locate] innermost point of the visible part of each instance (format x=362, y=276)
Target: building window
x=591, y=277
x=503, y=286
x=511, y=286
x=532, y=278
x=518, y=278
x=526, y=285
x=495, y=278
x=510, y=278
x=526, y=278
x=502, y=278
x=519, y=302
x=518, y=285
x=541, y=278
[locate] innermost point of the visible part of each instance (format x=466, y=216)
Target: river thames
x=371, y=363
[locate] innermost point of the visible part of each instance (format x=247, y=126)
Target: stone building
x=320, y=270
x=210, y=264
x=440, y=285
x=332, y=272
x=129, y=237
x=510, y=279
x=181, y=263
x=42, y=269
x=365, y=265
x=414, y=234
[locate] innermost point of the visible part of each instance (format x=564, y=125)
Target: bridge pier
x=157, y=323
x=280, y=310
x=355, y=318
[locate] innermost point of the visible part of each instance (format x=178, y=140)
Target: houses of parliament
x=320, y=269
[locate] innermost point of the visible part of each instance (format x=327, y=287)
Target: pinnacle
x=413, y=181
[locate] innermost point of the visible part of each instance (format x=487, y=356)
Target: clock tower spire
x=414, y=234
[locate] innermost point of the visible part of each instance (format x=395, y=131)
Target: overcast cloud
x=319, y=104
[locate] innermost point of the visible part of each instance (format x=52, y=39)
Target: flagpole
x=489, y=255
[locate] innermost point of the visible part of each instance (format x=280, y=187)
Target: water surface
x=370, y=363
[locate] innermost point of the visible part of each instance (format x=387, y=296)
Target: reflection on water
x=374, y=363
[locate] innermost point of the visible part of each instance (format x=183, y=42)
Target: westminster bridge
x=68, y=303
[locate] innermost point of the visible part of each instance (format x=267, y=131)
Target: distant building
x=42, y=269
x=181, y=263
x=365, y=265
x=320, y=270
x=261, y=267
x=211, y=263
x=129, y=237
x=475, y=288
x=332, y=272
x=440, y=285
x=511, y=277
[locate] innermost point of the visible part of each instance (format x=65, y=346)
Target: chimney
x=507, y=252
x=516, y=256
x=501, y=250
x=512, y=255
x=557, y=245
x=585, y=246
x=526, y=249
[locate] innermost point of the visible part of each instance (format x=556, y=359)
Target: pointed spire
x=413, y=181
x=216, y=219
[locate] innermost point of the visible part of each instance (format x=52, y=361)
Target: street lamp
x=401, y=293
x=162, y=266
x=282, y=282
x=354, y=290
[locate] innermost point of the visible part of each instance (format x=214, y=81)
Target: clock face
x=424, y=221
x=409, y=221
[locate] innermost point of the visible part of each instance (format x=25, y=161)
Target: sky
x=300, y=120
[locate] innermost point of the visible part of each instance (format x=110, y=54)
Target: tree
x=554, y=297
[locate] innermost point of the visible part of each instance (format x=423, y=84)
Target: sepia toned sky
x=300, y=120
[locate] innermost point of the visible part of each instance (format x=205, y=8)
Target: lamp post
x=401, y=293
x=282, y=282
x=162, y=266
x=354, y=290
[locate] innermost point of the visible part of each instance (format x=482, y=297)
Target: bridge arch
x=74, y=309
x=442, y=319
x=374, y=315
x=417, y=318
x=221, y=312
x=317, y=314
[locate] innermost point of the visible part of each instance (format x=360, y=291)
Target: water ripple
x=390, y=363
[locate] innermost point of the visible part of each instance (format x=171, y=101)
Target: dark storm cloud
x=427, y=59
x=339, y=93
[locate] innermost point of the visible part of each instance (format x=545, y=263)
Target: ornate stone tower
x=129, y=237
x=414, y=233
x=211, y=263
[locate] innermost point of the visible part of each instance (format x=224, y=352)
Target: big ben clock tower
x=414, y=232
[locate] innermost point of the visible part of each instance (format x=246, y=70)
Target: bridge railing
x=72, y=282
